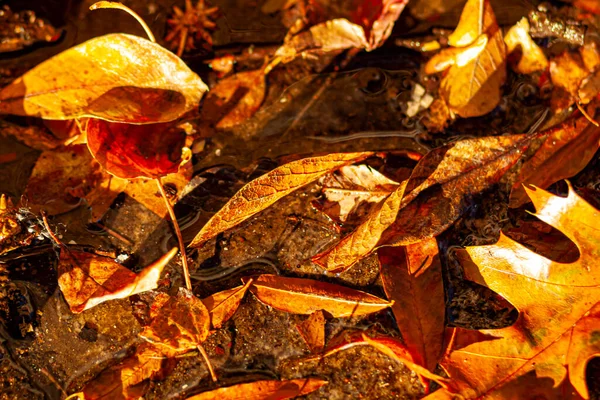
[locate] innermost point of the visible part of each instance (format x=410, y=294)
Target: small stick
x=114, y=233
x=186, y=271
x=182, y=41
x=586, y=115
x=117, y=5
x=47, y=226
x=213, y=375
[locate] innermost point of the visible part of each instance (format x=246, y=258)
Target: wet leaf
x=312, y=331
x=179, y=323
x=545, y=352
x=443, y=181
x=267, y=189
x=363, y=240
x=566, y=150
x=412, y=278
x=305, y=296
x=134, y=151
x=222, y=305
x=103, y=78
x=521, y=47
x=126, y=380
x=260, y=390
x=87, y=280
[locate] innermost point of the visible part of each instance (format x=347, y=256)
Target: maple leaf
x=264, y=390
x=305, y=296
x=545, y=352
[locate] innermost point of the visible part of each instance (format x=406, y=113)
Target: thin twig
x=213, y=375
x=114, y=233
x=47, y=226
x=586, y=115
x=186, y=271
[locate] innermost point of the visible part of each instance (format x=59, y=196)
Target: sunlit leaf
x=305, y=296
x=520, y=45
x=312, y=331
x=222, y=305
x=104, y=78
x=264, y=390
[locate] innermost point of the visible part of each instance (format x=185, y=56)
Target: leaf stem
x=213, y=375
x=117, y=5
x=47, y=226
x=186, y=271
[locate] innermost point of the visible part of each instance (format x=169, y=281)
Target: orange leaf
x=267, y=189
x=312, y=331
x=267, y=390
x=546, y=350
x=222, y=305
x=305, y=296
x=103, y=78
x=531, y=58
x=87, y=280
x=476, y=18
x=412, y=278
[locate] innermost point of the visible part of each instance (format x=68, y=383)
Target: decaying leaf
x=179, y=324
x=566, y=150
x=528, y=56
x=412, y=278
x=267, y=189
x=264, y=390
x=87, y=280
x=222, y=305
x=312, y=331
x=305, y=296
x=103, y=78
x=545, y=352
x=476, y=70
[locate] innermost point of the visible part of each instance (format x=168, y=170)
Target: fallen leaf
x=312, y=331
x=222, y=305
x=363, y=240
x=103, y=78
x=87, y=280
x=126, y=380
x=305, y=296
x=566, y=150
x=546, y=350
x=412, y=278
x=134, y=151
x=267, y=189
x=442, y=182
x=179, y=323
x=477, y=17
x=567, y=71
x=267, y=390
x=521, y=47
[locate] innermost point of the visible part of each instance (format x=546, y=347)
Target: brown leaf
x=264, y=390
x=567, y=71
x=443, y=181
x=520, y=46
x=363, y=240
x=267, y=189
x=412, y=278
x=103, y=78
x=312, y=331
x=179, y=323
x=545, y=351
x=305, y=296
x=87, y=280
x=222, y=305
x=566, y=150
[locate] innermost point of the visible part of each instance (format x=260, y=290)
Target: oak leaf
x=222, y=305
x=87, y=280
x=312, y=331
x=103, y=78
x=412, y=278
x=305, y=296
x=267, y=189
x=264, y=390
x=546, y=350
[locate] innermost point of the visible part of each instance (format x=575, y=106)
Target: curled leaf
x=264, y=390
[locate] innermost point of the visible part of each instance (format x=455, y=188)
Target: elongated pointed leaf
x=221, y=306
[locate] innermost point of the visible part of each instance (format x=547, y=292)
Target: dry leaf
x=312, y=331
x=545, y=352
x=566, y=150
x=179, y=323
x=222, y=305
x=363, y=240
x=87, y=280
x=103, y=78
x=264, y=390
x=530, y=57
x=443, y=181
x=305, y=296
x=476, y=18
x=267, y=189
x=412, y=278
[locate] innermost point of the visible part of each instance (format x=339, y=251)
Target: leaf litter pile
x=383, y=199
